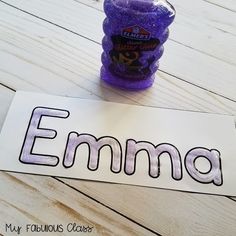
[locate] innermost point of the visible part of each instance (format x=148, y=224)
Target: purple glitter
x=135, y=31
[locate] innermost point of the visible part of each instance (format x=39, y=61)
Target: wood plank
x=162, y=211
x=27, y=199
x=40, y=54
x=108, y=194
x=227, y=4
x=172, y=213
x=196, y=25
x=44, y=55
x=212, y=50
x=199, y=9
x=6, y=96
x=44, y=200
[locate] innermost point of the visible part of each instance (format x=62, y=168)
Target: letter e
x=34, y=131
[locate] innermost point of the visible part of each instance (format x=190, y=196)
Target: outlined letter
x=94, y=145
x=214, y=175
x=154, y=153
x=34, y=131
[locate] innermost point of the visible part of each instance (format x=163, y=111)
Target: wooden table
x=54, y=47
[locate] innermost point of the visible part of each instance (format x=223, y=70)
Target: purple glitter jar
x=135, y=31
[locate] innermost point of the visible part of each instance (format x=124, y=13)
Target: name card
x=104, y=141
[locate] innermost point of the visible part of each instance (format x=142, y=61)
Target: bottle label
x=132, y=53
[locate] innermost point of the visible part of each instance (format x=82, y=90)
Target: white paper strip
x=119, y=143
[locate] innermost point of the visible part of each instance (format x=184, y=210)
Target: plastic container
x=135, y=31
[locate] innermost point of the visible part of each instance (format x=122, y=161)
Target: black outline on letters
x=210, y=168
x=201, y=172
x=89, y=152
x=157, y=157
x=112, y=153
x=35, y=137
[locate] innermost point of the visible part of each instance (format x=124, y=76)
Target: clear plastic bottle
x=135, y=31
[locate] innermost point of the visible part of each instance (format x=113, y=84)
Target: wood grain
x=6, y=96
x=155, y=207
x=212, y=50
x=50, y=59
x=229, y=5
x=196, y=25
x=44, y=200
x=162, y=211
x=186, y=214
x=44, y=55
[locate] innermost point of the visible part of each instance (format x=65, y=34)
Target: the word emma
x=129, y=153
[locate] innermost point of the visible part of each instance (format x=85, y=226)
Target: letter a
x=214, y=175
